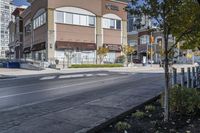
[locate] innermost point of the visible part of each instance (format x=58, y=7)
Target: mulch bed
x=152, y=122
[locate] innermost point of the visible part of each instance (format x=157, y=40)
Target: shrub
x=138, y=114
x=184, y=100
x=150, y=108
x=95, y=65
x=122, y=126
x=120, y=59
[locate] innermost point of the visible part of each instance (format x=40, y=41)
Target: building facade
x=6, y=9
x=16, y=34
x=56, y=29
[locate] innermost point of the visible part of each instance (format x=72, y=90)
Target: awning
x=75, y=45
x=38, y=47
x=27, y=50
x=113, y=47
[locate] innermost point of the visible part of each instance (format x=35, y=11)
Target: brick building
x=52, y=27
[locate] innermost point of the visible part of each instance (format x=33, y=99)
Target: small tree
x=127, y=50
x=102, y=53
x=69, y=54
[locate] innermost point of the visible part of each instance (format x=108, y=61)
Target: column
x=50, y=45
x=99, y=32
x=124, y=32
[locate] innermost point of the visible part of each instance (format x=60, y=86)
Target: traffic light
x=152, y=40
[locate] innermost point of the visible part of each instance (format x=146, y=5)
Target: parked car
x=150, y=61
x=137, y=61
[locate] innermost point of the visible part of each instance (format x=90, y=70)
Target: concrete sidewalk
x=23, y=72
x=136, y=69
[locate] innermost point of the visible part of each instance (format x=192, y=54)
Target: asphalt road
x=28, y=98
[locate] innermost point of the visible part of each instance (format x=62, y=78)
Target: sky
x=20, y=2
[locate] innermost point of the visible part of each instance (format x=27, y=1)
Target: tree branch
x=189, y=30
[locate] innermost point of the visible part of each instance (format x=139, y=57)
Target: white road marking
x=60, y=77
x=71, y=76
x=101, y=74
x=57, y=88
x=48, y=78
x=89, y=75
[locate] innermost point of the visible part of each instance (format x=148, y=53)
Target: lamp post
x=151, y=41
x=147, y=51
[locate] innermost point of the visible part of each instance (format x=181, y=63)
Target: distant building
x=16, y=34
x=6, y=10
x=136, y=23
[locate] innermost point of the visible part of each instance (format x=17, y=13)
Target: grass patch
x=95, y=65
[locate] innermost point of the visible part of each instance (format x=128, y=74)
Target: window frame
x=77, y=21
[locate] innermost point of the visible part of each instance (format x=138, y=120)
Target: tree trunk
x=166, y=99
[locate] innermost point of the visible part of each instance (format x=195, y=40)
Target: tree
x=128, y=50
x=177, y=17
x=102, y=53
x=69, y=54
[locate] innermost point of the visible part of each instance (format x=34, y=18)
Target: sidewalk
x=135, y=69
x=23, y=72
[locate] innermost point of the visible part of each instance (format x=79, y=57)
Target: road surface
x=71, y=103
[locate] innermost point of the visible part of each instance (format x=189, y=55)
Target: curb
x=7, y=77
x=120, y=116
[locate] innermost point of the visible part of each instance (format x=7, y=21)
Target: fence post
x=174, y=76
x=193, y=77
x=197, y=75
x=188, y=77
x=182, y=77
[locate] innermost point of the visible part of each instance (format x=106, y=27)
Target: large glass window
x=118, y=24
x=111, y=24
x=68, y=18
x=91, y=21
x=83, y=20
x=60, y=17
x=76, y=19
x=45, y=18
x=39, y=21
x=106, y=23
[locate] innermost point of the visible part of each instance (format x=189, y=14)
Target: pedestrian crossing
x=73, y=76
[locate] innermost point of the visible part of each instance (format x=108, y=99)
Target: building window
x=7, y=7
x=83, y=20
x=68, y=18
x=118, y=24
x=27, y=29
x=75, y=19
x=60, y=17
x=91, y=21
x=39, y=21
x=106, y=23
x=133, y=43
x=111, y=24
x=144, y=39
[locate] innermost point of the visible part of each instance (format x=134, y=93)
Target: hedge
x=95, y=65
